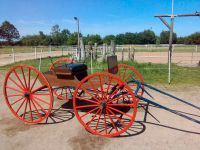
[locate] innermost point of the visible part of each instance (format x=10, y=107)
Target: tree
x=56, y=35
x=65, y=34
x=130, y=38
x=93, y=39
x=120, y=39
x=146, y=37
x=181, y=40
x=108, y=38
x=73, y=39
x=8, y=32
x=164, y=37
x=193, y=38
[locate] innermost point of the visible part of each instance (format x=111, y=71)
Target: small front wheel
x=28, y=94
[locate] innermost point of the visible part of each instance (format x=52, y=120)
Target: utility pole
x=78, y=46
x=171, y=29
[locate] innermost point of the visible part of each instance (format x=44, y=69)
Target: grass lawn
x=152, y=73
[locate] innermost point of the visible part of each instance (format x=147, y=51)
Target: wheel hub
x=103, y=105
x=26, y=94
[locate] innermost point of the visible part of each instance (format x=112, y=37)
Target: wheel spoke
x=19, y=79
x=25, y=109
x=130, y=74
x=92, y=85
x=124, y=73
x=105, y=123
x=93, y=117
x=20, y=106
x=14, y=89
x=38, y=89
x=120, y=112
x=117, y=98
x=34, y=82
x=125, y=105
x=113, y=124
x=85, y=99
x=29, y=80
x=30, y=112
x=40, y=94
x=86, y=106
x=115, y=91
x=17, y=101
x=97, y=124
x=24, y=77
x=89, y=112
x=41, y=100
x=102, y=92
x=108, y=87
x=85, y=90
x=38, y=114
x=39, y=105
x=122, y=122
x=16, y=83
x=13, y=95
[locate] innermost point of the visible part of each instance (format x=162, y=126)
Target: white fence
x=186, y=55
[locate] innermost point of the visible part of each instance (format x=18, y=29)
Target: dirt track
x=66, y=133
x=182, y=59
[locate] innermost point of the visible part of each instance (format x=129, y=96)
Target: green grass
x=152, y=73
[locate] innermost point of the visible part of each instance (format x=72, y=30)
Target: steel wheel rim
x=31, y=104
x=110, y=112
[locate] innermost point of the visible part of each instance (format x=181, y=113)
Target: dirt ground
x=66, y=133
x=181, y=59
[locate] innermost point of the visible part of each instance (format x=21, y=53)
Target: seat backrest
x=112, y=64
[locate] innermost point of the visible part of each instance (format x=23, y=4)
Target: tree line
x=10, y=35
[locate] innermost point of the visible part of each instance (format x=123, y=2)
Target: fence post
x=196, y=48
x=95, y=51
x=122, y=54
x=91, y=52
x=13, y=52
x=82, y=49
x=112, y=47
x=50, y=51
x=62, y=51
x=104, y=53
x=40, y=59
x=35, y=53
x=129, y=53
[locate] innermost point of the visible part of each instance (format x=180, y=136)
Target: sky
x=102, y=17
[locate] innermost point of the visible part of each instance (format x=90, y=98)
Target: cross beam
x=171, y=28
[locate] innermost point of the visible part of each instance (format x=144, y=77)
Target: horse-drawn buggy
x=105, y=103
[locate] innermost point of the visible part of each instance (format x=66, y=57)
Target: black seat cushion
x=75, y=67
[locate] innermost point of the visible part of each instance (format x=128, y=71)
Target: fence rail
x=188, y=55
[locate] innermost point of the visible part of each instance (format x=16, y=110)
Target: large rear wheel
x=104, y=104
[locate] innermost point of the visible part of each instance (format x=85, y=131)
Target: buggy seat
x=69, y=70
x=75, y=68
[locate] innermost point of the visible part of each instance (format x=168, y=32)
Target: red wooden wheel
x=127, y=73
x=104, y=104
x=28, y=94
x=62, y=93
x=61, y=61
